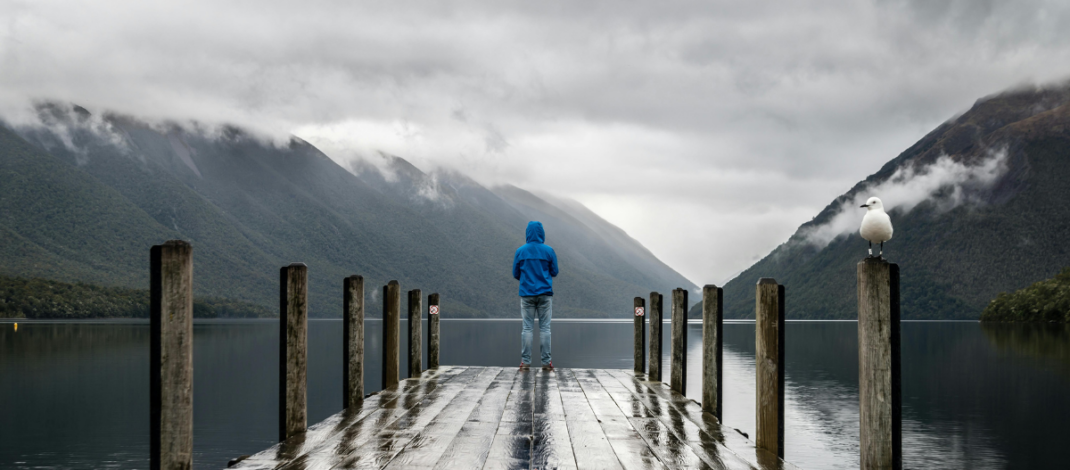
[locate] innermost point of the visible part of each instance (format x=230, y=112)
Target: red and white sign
x=433, y=310
x=638, y=311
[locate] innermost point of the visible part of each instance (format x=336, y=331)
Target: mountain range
x=979, y=205
x=84, y=196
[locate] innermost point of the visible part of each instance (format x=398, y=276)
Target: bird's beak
x=865, y=205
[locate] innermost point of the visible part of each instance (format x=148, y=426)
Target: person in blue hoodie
x=535, y=266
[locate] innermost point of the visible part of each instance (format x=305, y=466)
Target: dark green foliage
x=37, y=298
x=952, y=263
x=1044, y=301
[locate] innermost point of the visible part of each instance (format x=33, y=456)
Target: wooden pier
x=457, y=417
x=492, y=417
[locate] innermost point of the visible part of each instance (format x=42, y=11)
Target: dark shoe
x=548, y=366
x=524, y=366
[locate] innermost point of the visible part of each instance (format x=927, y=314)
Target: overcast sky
x=708, y=130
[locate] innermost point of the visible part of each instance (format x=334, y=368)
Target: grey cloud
x=754, y=114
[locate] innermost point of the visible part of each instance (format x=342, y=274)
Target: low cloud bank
x=945, y=182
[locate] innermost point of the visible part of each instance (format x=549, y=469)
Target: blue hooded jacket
x=535, y=263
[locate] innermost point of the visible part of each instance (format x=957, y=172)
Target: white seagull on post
x=876, y=225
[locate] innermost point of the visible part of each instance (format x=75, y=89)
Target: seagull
x=876, y=225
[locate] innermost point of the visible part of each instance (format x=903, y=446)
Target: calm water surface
x=75, y=395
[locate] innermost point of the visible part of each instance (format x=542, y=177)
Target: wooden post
x=353, y=341
x=171, y=355
x=293, y=350
x=640, y=335
x=769, y=342
x=391, y=334
x=678, y=380
x=654, y=364
x=416, y=354
x=433, y=340
x=879, y=381
x=712, y=323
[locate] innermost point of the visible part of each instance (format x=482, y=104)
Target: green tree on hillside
x=1044, y=301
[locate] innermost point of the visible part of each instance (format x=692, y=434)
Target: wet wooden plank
x=511, y=447
x=456, y=417
x=551, y=447
x=321, y=439
x=589, y=442
x=387, y=425
x=426, y=448
x=632, y=451
x=472, y=445
x=710, y=432
x=657, y=427
x=383, y=441
x=519, y=408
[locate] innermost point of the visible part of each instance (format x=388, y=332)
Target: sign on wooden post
x=639, y=335
x=433, y=337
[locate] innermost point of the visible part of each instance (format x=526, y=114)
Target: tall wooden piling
x=416, y=354
x=654, y=364
x=678, y=379
x=433, y=337
x=171, y=355
x=391, y=333
x=879, y=382
x=353, y=341
x=639, y=336
x=293, y=350
x=769, y=342
x=712, y=338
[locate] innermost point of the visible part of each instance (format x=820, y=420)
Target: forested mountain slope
x=84, y=196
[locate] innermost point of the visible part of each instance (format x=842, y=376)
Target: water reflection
x=1048, y=343
x=76, y=395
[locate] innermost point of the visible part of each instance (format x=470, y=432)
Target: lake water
x=76, y=395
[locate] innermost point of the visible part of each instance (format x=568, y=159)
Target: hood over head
x=535, y=233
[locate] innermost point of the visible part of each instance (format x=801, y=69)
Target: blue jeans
x=541, y=305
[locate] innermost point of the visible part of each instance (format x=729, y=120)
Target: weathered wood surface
x=416, y=325
x=879, y=392
x=769, y=365
x=433, y=331
x=353, y=341
x=654, y=364
x=712, y=339
x=293, y=350
x=492, y=417
x=678, y=345
x=391, y=334
x=639, y=337
x=171, y=355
